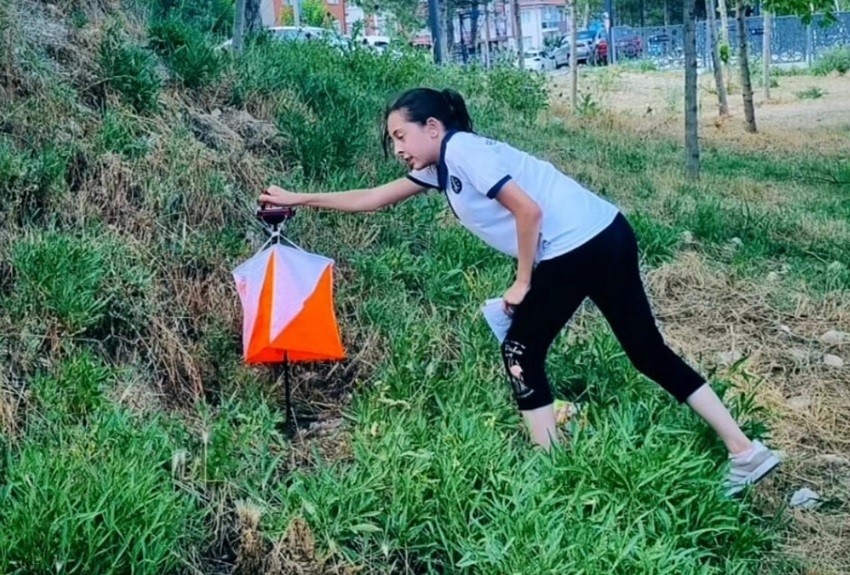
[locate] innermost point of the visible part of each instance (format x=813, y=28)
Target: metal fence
x=792, y=41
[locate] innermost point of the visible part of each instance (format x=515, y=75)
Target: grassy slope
x=131, y=431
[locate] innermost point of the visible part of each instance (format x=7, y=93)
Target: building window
x=332, y=2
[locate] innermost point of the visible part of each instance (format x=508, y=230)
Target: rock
x=805, y=498
x=729, y=357
x=799, y=355
x=832, y=458
x=257, y=134
x=785, y=330
x=799, y=402
x=211, y=131
x=835, y=337
x=833, y=360
x=772, y=277
x=688, y=237
x=736, y=242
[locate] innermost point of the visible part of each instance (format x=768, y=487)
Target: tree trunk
x=573, y=58
x=586, y=15
x=691, y=120
x=239, y=25
x=666, y=13
x=765, y=52
x=473, y=29
x=447, y=32
x=744, y=63
x=253, y=19
x=518, y=32
x=719, y=81
x=724, y=36
x=724, y=21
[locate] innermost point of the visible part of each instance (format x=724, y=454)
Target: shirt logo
x=457, y=186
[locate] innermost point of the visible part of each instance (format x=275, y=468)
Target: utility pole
x=518, y=33
x=487, y=35
x=573, y=57
x=296, y=12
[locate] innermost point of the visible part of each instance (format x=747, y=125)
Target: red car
x=629, y=45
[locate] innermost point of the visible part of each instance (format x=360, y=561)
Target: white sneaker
x=750, y=467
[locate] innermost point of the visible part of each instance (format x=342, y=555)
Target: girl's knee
x=526, y=375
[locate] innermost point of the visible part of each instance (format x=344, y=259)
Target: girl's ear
x=432, y=127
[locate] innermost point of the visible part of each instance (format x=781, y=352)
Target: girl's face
x=415, y=144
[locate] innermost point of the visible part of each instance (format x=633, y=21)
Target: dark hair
x=419, y=104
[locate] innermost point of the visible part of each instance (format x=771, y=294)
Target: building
x=272, y=12
x=542, y=21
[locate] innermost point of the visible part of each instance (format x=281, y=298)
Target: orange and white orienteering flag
x=287, y=305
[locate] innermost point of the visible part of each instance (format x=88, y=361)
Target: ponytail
x=458, y=114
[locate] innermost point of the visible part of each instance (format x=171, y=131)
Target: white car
x=538, y=60
x=301, y=33
x=561, y=55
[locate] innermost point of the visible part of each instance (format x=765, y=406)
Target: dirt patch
x=717, y=320
x=654, y=102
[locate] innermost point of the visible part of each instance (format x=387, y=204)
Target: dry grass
x=707, y=313
x=652, y=103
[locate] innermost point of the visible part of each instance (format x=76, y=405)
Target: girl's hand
x=279, y=197
x=514, y=296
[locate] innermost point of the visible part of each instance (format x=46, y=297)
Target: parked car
x=561, y=54
x=301, y=34
x=596, y=45
x=538, y=60
x=584, y=49
x=378, y=43
x=629, y=43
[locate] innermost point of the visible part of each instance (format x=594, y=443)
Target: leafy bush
x=82, y=283
x=836, y=59
x=130, y=70
x=188, y=51
x=328, y=104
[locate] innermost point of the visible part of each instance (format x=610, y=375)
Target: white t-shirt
x=473, y=169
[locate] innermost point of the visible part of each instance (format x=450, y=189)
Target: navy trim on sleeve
x=421, y=183
x=497, y=187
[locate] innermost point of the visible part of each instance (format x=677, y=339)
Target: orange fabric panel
x=313, y=335
x=260, y=335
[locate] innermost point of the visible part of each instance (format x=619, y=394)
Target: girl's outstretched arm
x=365, y=200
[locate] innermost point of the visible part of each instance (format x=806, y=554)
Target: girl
x=569, y=244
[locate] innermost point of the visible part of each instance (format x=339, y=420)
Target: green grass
x=115, y=280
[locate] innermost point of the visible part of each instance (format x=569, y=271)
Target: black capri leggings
x=606, y=270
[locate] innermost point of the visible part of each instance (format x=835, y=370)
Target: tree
x=802, y=8
x=239, y=25
x=765, y=51
x=744, y=66
x=716, y=63
x=691, y=119
x=253, y=19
